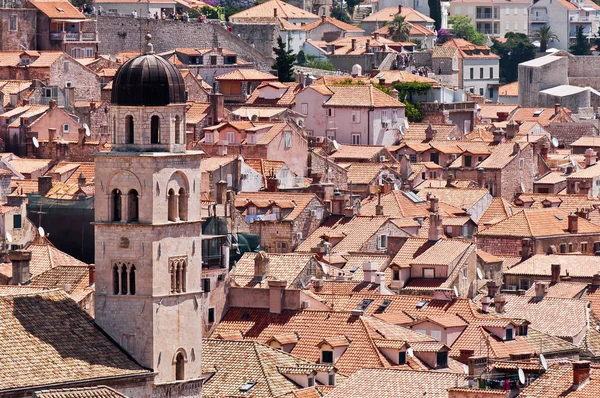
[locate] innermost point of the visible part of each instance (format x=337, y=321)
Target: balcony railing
x=486, y=15
x=539, y=18
x=580, y=18
x=73, y=36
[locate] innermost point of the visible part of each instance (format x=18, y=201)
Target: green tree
x=340, y=14
x=398, y=29
x=435, y=12
x=284, y=62
x=582, y=45
x=544, y=35
x=351, y=4
x=210, y=12
x=515, y=50
x=301, y=58
x=463, y=28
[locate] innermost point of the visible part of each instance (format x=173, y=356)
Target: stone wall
x=120, y=33
x=24, y=35
x=263, y=37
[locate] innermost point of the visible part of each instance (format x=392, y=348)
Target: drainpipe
x=369, y=127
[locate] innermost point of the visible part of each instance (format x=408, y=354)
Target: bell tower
x=148, y=227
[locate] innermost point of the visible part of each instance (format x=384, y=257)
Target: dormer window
x=509, y=334
x=402, y=358
x=331, y=378
x=311, y=380
x=442, y=359
x=326, y=356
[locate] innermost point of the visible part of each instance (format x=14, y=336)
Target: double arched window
x=177, y=205
x=131, y=212
x=123, y=278
x=178, y=271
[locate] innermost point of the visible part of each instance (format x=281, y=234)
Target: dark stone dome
x=148, y=80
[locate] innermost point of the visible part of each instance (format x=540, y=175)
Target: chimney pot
x=499, y=303
x=369, y=272
x=261, y=265
x=433, y=204
x=555, y=269
x=590, y=157
x=485, y=304
x=435, y=226
x=492, y=288
x=556, y=109
x=541, y=289
x=44, y=185
x=221, y=192
x=217, y=105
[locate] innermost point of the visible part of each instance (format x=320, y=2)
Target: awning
x=70, y=20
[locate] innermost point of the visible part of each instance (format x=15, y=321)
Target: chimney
x=590, y=157
x=394, y=94
x=379, y=206
x=217, y=106
x=81, y=180
x=512, y=128
x=323, y=19
x=376, y=36
x=276, y=296
x=485, y=304
x=443, y=294
x=353, y=43
x=569, y=170
x=429, y=133
x=499, y=303
x=450, y=180
x=516, y=148
x=20, y=260
x=44, y=184
x=92, y=274
x=555, y=269
x=51, y=134
x=435, y=225
x=92, y=106
x=52, y=103
x=272, y=184
x=492, y=288
x=318, y=285
x=596, y=280
x=221, y=192
x=81, y=135
x=465, y=354
x=525, y=247
x=400, y=9
x=69, y=97
x=379, y=278
x=275, y=12
x=541, y=289
x=261, y=265
x=433, y=204
x=477, y=365
x=581, y=373
x=498, y=135
x=556, y=109
x=572, y=225
x=368, y=46
x=369, y=270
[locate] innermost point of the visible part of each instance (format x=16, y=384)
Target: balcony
x=580, y=18
x=74, y=36
x=486, y=15
x=538, y=19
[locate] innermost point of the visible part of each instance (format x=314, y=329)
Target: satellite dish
x=335, y=144
x=9, y=236
x=41, y=231
x=543, y=361
x=479, y=274
x=456, y=291
x=36, y=143
x=521, y=376
x=554, y=142
x=466, y=369
x=410, y=352
x=87, y=130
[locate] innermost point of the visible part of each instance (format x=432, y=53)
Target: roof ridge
x=370, y=338
x=260, y=364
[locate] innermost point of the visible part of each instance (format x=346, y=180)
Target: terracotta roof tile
x=56, y=9
x=335, y=22
x=395, y=204
x=540, y=265
x=285, y=267
x=462, y=198
x=265, y=10
x=388, y=14
x=286, y=100
x=498, y=210
x=246, y=74
x=557, y=381
x=83, y=392
x=509, y=90
x=360, y=97
x=299, y=200
x=46, y=347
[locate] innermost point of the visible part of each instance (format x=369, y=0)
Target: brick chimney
x=369, y=271
x=541, y=289
x=581, y=373
x=92, y=274
x=492, y=288
x=465, y=354
x=590, y=157
x=555, y=269
x=272, y=184
x=433, y=204
x=435, y=226
x=20, y=260
x=261, y=265
x=556, y=109
x=81, y=180
x=429, y=133
x=499, y=303
x=573, y=223
x=596, y=280
x=81, y=135
x=485, y=304
x=44, y=185
x=379, y=206
x=220, y=195
x=512, y=128
x=276, y=296
x=217, y=104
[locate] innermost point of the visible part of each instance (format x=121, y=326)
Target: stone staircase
x=360, y=12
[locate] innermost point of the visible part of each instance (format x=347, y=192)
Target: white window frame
x=230, y=137
x=382, y=241
x=516, y=11
x=208, y=138
x=287, y=139
x=356, y=139
x=66, y=128
x=355, y=116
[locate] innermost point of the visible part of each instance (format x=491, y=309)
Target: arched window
x=133, y=205
x=132, y=280
x=154, y=130
x=123, y=279
x=173, y=277
x=116, y=279
x=179, y=366
x=172, y=206
x=116, y=205
x=183, y=266
x=179, y=276
x=177, y=130
x=183, y=201
x=129, y=130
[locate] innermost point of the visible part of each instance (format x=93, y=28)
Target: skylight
x=364, y=304
x=538, y=112
x=247, y=386
x=559, y=218
x=384, y=304
x=421, y=304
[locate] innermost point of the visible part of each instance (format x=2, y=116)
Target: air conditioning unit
x=320, y=140
x=384, y=125
x=69, y=84
x=244, y=176
x=298, y=235
x=382, y=159
x=305, y=304
x=313, y=213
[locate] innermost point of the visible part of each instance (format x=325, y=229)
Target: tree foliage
x=301, y=58
x=351, y=4
x=398, y=29
x=582, y=45
x=340, y=13
x=412, y=112
x=406, y=90
x=515, y=50
x=463, y=28
x=284, y=62
x=435, y=12
x=443, y=36
x=544, y=35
